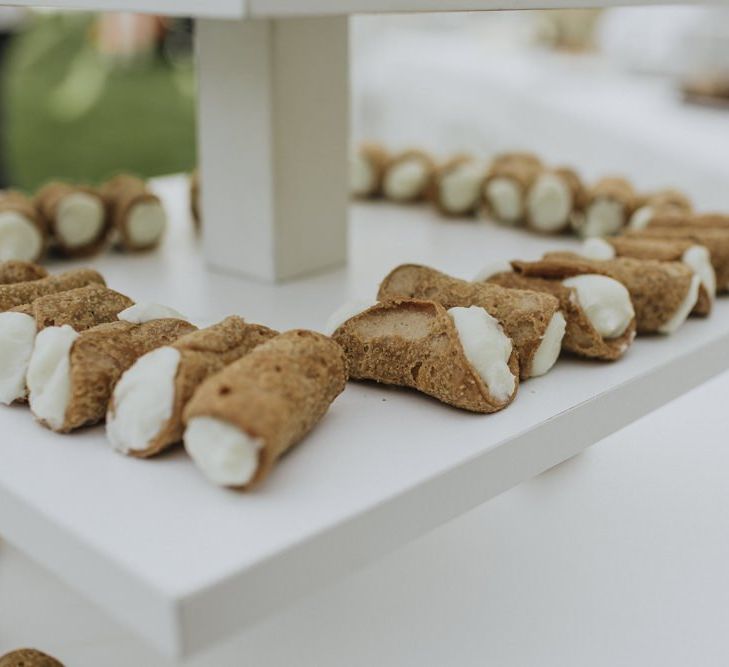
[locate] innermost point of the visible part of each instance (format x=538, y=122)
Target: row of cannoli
x=514, y=188
x=79, y=221
x=238, y=394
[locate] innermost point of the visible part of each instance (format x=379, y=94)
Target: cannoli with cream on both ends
x=19, y=294
x=81, y=309
x=367, y=165
x=693, y=255
x=408, y=176
x=664, y=203
x=531, y=319
x=138, y=218
x=23, y=233
x=75, y=217
x=608, y=207
x=505, y=187
x=461, y=356
x=244, y=418
x=599, y=313
x=145, y=413
x=552, y=199
x=16, y=271
x=457, y=189
x=71, y=374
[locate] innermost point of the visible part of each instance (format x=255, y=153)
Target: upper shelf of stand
x=233, y=9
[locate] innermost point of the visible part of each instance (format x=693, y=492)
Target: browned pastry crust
x=415, y=344
x=28, y=657
x=666, y=202
x=521, y=168
x=413, y=153
x=580, y=336
x=612, y=188
x=524, y=314
x=47, y=201
x=18, y=294
x=15, y=271
x=277, y=393
x=12, y=200
x=441, y=172
x=378, y=158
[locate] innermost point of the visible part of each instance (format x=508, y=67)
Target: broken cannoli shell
x=408, y=177
x=137, y=215
x=416, y=344
x=23, y=233
x=506, y=185
x=525, y=315
x=28, y=657
x=199, y=355
x=607, y=209
x=664, y=203
x=14, y=271
x=75, y=217
x=367, y=170
x=18, y=294
x=271, y=398
x=552, y=199
x=458, y=185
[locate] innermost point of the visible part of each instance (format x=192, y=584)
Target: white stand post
x=273, y=140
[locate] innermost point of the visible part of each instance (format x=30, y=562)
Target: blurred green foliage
x=72, y=113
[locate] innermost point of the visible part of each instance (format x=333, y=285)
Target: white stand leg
x=273, y=137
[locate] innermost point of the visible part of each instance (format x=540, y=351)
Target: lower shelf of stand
x=187, y=564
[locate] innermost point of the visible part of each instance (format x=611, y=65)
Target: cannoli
x=195, y=198
x=14, y=271
x=664, y=203
x=599, y=313
x=531, y=319
x=695, y=256
x=552, y=199
x=28, y=657
x=145, y=413
x=461, y=356
x=408, y=177
x=137, y=216
x=71, y=375
x=457, y=190
x=18, y=294
x=244, y=418
x=506, y=185
x=81, y=309
x=663, y=293
x=23, y=234
x=75, y=218
x=715, y=221
x=367, y=169
x=608, y=207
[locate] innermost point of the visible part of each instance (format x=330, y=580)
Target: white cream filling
x=146, y=223
x=505, y=200
x=641, y=217
x=143, y=401
x=460, y=188
x=226, y=455
x=605, y=301
x=597, y=248
x=491, y=269
x=684, y=309
x=19, y=238
x=548, y=351
x=49, y=374
x=80, y=219
x=17, y=336
x=487, y=349
x=697, y=257
x=361, y=175
x=604, y=217
x=405, y=179
x=549, y=203
x=141, y=313
x=345, y=312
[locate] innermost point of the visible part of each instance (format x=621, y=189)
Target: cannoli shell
x=580, y=336
x=710, y=221
x=412, y=343
x=666, y=201
x=574, y=184
x=442, y=171
x=516, y=157
x=202, y=354
x=19, y=294
x=522, y=168
x=47, y=201
x=15, y=271
x=28, y=657
x=99, y=357
x=278, y=392
x=615, y=188
x=524, y=314
x=427, y=191
x=656, y=289
x=379, y=159
x=12, y=200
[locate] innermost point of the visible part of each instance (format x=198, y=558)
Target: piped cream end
x=549, y=203
x=684, y=309
x=505, y=200
x=80, y=219
x=146, y=223
x=597, y=248
x=141, y=313
x=491, y=269
x=548, y=351
x=20, y=239
x=17, y=337
x=405, y=180
x=605, y=301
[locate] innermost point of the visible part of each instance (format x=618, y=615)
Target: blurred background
x=627, y=90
